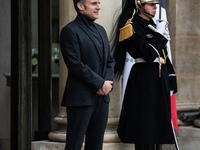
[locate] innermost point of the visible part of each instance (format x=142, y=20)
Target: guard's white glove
x=160, y=28
x=171, y=92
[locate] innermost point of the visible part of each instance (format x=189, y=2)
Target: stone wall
x=185, y=32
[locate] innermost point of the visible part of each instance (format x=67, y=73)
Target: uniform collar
x=142, y=21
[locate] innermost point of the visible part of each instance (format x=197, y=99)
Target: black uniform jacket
x=146, y=112
x=88, y=66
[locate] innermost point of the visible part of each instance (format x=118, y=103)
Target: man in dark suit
x=86, y=52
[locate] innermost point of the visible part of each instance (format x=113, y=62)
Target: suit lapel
x=89, y=33
x=104, y=39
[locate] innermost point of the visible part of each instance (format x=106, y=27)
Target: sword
x=176, y=143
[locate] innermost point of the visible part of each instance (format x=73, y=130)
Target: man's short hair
x=75, y=4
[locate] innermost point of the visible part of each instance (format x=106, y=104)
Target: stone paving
x=188, y=139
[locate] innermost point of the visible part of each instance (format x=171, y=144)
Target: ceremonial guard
x=146, y=114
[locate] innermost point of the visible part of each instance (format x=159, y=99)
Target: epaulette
x=126, y=31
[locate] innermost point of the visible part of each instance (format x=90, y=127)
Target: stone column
x=66, y=14
x=197, y=122
x=184, y=30
x=107, y=16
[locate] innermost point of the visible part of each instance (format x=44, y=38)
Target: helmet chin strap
x=149, y=14
x=146, y=12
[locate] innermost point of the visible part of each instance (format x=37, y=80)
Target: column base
x=59, y=136
x=197, y=123
x=109, y=137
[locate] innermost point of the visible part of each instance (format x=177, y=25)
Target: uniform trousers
x=89, y=122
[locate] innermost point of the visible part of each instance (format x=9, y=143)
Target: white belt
x=140, y=60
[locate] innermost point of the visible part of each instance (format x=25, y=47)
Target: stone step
x=48, y=145
x=188, y=139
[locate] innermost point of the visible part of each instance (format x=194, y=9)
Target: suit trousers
x=89, y=122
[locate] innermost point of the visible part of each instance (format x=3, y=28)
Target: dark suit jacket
x=87, y=67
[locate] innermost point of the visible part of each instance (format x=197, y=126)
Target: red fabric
x=174, y=112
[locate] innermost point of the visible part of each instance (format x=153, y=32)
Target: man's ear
x=80, y=6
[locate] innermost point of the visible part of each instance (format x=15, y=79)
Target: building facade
x=38, y=89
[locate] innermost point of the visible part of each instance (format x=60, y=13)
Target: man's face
x=151, y=8
x=91, y=8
